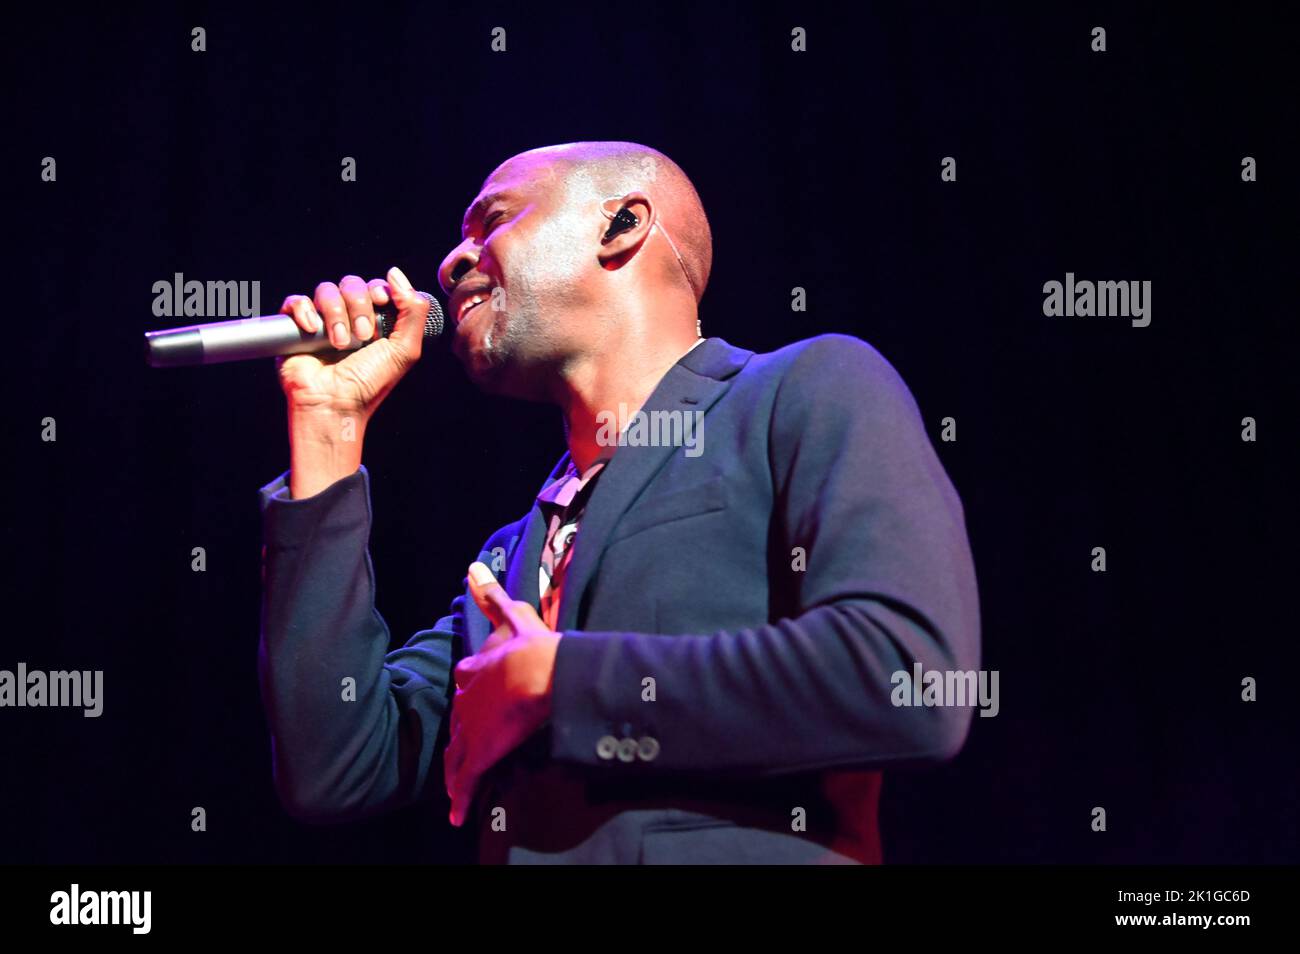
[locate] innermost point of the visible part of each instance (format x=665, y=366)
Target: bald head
x=540, y=289
x=594, y=171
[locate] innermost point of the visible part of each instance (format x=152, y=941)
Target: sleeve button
x=606, y=747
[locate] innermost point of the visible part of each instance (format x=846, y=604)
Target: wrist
x=326, y=424
x=323, y=448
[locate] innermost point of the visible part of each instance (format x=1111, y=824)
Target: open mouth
x=469, y=304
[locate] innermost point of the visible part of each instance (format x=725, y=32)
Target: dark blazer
x=732, y=620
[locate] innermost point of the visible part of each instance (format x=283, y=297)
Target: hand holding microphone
x=346, y=377
x=336, y=363
x=333, y=394
x=267, y=336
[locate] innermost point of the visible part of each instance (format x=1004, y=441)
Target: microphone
x=263, y=337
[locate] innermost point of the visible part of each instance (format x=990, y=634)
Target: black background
x=821, y=169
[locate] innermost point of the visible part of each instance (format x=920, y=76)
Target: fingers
x=334, y=311
x=491, y=597
x=450, y=759
x=347, y=313
x=453, y=760
x=303, y=313
x=462, y=796
x=361, y=311
x=462, y=778
x=379, y=293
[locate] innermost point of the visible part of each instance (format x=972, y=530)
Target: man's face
x=524, y=253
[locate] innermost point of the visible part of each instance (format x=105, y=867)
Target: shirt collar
x=563, y=489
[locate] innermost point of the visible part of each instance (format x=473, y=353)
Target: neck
x=626, y=374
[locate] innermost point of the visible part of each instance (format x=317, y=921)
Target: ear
x=620, y=248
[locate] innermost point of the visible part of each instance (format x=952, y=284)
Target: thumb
x=491, y=596
x=412, y=310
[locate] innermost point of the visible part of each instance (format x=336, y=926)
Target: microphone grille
x=433, y=324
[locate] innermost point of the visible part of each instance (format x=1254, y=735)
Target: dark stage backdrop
x=821, y=169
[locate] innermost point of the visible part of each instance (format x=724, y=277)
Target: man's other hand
x=503, y=692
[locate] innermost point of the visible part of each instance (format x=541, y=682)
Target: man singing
x=684, y=651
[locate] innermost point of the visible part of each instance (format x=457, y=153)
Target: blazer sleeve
x=889, y=582
x=353, y=726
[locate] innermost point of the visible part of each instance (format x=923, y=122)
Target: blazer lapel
x=693, y=384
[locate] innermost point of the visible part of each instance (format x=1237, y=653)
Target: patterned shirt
x=562, y=503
